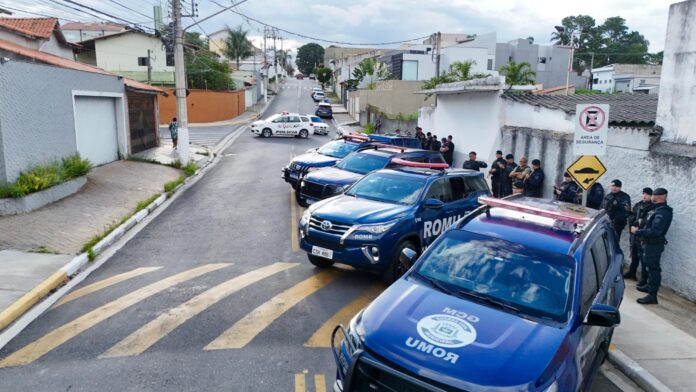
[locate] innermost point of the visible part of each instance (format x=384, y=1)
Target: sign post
x=590, y=141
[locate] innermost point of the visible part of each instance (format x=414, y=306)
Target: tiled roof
x=71, y=64
x=92, y=26
x=554, y=89
x=624, y=109
x=34, y=27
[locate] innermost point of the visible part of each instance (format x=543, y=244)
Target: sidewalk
x=660, y=338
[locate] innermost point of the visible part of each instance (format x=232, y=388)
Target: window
x=440, y=190
x=305, y=119
x=463, y=186
x=294, y=119
x=599, y=253
x=409, y=70
x=281, y=119
x=542, y=60
x=509, y=59
x=595, y=81
x=642, y=81
x=142, y=61
x=170, y=59
x=490, y=65
x=589, y=283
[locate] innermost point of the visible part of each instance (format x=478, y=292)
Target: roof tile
x=35, y=27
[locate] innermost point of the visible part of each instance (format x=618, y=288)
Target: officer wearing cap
x=473, y=164
x=652, y=236
x=534, y=181
x=568, y=190
x=505, y=179
x=497, y=167
x=618, y=206
x=637, y=219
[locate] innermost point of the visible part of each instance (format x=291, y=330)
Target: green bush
x=369, y=129
x=41, y=177
x=169, y=187
x=74, y=166
x=190, y=169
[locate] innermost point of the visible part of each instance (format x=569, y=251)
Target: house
x=216, y=44
x=392, y=100
x=126, y=53
x=42, y=34
x=82, y=109
x=76, y=32
x=627, y=78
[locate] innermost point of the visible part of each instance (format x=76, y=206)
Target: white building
x=42, y=34
x=627, y=78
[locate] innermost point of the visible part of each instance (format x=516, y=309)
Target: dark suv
x=324, y=110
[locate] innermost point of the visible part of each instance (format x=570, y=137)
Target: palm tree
x=237, y=45
x=518, y=73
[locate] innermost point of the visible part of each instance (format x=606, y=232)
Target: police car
x=520, y=295
x=319, y=127
x=389, y=210
x=283, y=124
x=332, y=181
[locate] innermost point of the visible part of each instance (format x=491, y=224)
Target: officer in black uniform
x=497, y=167
x=473, y=164
x=637, y=219
x=618, y=205
x=534, y=182
x=658, y=220
x=568, y=190
x=505, y=180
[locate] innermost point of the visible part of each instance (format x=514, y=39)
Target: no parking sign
x=592, y=122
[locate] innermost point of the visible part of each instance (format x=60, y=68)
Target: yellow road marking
x=300, y=385
x=293, y=223
x=142, y=339
x=319, y=383
x=244, y=330
x=55, y=338
x=102, y=284
x=322, y=337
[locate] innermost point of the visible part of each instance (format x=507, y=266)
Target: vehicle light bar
x=355, y=136
x=389, y=146
x=404, y=162
x=511, y=205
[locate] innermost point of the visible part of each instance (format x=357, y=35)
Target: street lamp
x=573, y=34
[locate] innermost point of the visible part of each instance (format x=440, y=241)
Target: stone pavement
x=166, y=154
x=112, y=191
x=661, y=338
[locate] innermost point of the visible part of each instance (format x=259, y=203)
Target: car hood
x=361, y=211
x=333, y=176
x=258, y=122
x=314, y=159
x=491, y=348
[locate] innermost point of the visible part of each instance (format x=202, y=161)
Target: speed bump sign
x=586, y=170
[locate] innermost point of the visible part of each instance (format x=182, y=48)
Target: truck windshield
x=337, y=149
x=498, y=272
x=363, y=163
x=388, y=188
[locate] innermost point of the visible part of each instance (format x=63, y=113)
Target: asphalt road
x=210, y=296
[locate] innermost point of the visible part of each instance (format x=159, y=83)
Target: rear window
x=316, y=119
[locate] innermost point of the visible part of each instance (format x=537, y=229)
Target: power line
x=131, y=9
x=32, y=13
x=100, y=12
x=321, y=39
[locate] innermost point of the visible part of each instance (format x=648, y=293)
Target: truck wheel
x=396, y=269
x=266, y=132
x=320, y=261
x=304, y=134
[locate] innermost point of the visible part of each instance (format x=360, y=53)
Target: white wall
x=120, y=53
x=426, y=67
x=605, y=80
x=479, y=55
x=676, y=110
x=53, y=46
x=19, y=40
x=523, y=115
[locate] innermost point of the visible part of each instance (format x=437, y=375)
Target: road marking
x=322, y=337
x=319, y=383
x=300, y=385
x=293, y=223
x=55, y=338
x=102, y=284
x=152, y=332
x=244, y=330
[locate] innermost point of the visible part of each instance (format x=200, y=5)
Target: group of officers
x=648, y=221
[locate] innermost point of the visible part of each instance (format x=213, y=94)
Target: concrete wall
x=37, y=123
x=19, y=40
x=479, y=56
x=552, y=73
x=53, y=46
x=120, y=53
x=204, y=106
x=391, y=97
x=676, y=111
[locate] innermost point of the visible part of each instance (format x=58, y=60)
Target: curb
x=635, y=372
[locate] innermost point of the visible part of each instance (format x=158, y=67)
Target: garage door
x=96, y=129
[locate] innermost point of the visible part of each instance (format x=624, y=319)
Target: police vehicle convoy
x=283, y=124
x=522, y=294
x=330, y=153
x=405, y=207
x=332, y=181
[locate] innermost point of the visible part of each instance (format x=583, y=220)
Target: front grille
x=325, y=243
x=336, y=228
x=367, y=378
x=314, y=190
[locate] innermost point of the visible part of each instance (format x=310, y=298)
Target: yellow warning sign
x=586, y=170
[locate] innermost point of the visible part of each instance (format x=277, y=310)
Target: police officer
x=505, y=179
x=435, y=144
x=618, y=205
x=637, y=219
x=473, y=164
x=658, y=220
x=534, y=181
x=568, y=190
x=496, y=168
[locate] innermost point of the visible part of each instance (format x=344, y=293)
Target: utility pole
x=275, y=61
x=180, y=80
x=591, y=73
x=265, y=77
x=437, y=58
x=149, y=67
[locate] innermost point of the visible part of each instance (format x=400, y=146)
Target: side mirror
x=603, y=316
x=434, y=203
x=407, y=257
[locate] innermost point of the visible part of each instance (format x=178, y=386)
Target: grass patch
x=190, y=169
x=204, y=153
x=42, y=177
x=43, y=249
x=141, y=159
x=171, y=185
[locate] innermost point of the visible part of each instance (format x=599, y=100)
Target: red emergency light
x=520, y=207
x=403, y=162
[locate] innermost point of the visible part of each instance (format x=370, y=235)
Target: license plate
x=322, y=252
x=294, y=175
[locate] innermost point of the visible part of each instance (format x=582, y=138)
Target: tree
x=204, y=69
x=518, y=73
x=371, y=70
x=458, y=71
x=323, y=75
x=237, y=45
x=309, y=56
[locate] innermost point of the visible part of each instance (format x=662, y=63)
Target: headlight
x=305, y=218
x=376, y=229
x=335, y=189
x=356, y=331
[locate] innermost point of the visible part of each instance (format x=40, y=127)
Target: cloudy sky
x=373, y=21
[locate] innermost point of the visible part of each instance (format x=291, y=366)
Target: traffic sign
x=586, y=170
x=592, y=122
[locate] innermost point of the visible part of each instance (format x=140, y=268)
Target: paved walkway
x=111, y=192
x=166, y=154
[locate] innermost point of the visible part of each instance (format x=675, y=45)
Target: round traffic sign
x=592, y=118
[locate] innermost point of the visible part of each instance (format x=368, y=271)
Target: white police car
x=283, y=124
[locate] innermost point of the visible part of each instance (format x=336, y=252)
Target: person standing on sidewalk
x=505, y=176
x=658, y=220
x=567, y=191
x=518, y=175
x=497, y=167
x=618, y=206
x=534, y=182
x=435, y=144
x=173, y=131
x=637, y=219
x=446, y=151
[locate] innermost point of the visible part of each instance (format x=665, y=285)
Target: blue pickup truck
x=405, y=207
x=522, y=294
